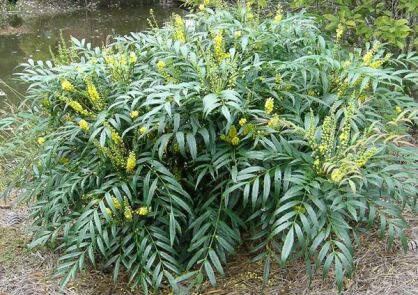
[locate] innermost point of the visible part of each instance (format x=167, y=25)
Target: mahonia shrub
x=162, y=153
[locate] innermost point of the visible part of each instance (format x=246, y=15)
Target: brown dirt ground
x=377, y=270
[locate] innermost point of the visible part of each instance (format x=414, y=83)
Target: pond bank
x=36, y=34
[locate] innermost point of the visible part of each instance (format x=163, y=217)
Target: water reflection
x=34, y=37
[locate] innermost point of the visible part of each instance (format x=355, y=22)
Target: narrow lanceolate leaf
x=210, y=273
x=287, y=246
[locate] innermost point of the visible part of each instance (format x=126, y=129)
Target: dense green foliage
x=162, y=153
x=394, y=22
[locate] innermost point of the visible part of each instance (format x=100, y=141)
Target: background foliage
x=163, y=152
x=394, y=22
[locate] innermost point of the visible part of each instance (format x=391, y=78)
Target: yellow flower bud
x=67, y=86
x=41, y=140
x=83, y=125
x=235, y=141
x=142, y=130
x=143, y=211
x=134, y=114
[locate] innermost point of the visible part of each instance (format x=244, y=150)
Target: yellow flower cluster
x=116, y=138
x=218, y=47
x=279, y=14
x=398, y=109
x=142, y=130
x=274, y=122
x=242, y=122
x=161, y=65
x=41, y=140
x=269, y=105
x=179, y=33
x=132, y=57
x=232, y=136
x=337, y=175
x=134, y=114
x=339, y=32
x=131, y=163
x=114, y=152
x=109, y=212
x=116, y=203
x=83, y=125
x=142, y=211
x=67, y=86
x=77, y=107
x=365, y=157
x=127, y=212
x=237, y=34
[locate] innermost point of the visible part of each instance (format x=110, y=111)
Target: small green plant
x=162, y=153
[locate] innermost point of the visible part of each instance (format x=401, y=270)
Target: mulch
x=378, y=270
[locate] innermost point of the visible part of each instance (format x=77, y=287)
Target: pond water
x=33, y=37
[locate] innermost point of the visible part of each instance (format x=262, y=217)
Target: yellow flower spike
x=131, y=163
x=116, y=203
x=76, y=106
x=142, y=211
x=142, y=130
x=179, y=29
x=93, y=94
x=339, y=32
x=235, y=141
x=365, y=157
x=242, y=121
x=83, y=125
x=67, y=86
x=134, y=114
x=132, y=57
x=127, y=210
x=41, y=140
x=398, y=109
x=218, y=47
x=269, y=105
